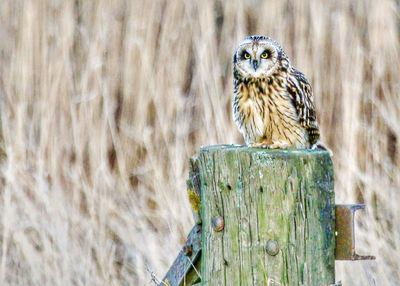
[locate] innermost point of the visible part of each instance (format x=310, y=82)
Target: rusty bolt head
x=218, y=223
x=187, y=249
x=272, y=247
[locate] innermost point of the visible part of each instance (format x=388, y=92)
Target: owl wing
x=302, y=98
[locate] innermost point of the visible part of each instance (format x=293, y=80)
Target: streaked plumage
x=272, y=102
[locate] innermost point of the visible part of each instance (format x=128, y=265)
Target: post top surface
x=263, y=151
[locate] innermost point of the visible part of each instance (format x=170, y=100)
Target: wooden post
x=267, y=216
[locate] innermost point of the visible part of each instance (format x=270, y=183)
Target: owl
x=272, y=101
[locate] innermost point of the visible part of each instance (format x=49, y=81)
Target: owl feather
x=273, y=102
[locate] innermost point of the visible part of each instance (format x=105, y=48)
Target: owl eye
x=246, y=55
x=264, y=55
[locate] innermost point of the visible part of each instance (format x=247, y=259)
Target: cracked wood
x=267, y=195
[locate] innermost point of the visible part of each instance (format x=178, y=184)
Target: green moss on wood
x=264, y=195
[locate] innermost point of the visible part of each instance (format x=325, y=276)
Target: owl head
x=257, y=57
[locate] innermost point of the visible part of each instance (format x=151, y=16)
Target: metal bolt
x=218, y=223
x=272, y=247
x=187, y=250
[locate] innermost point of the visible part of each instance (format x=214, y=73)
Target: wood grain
x=267, y=195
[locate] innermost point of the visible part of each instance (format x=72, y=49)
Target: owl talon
x=258, y=145
x=279, y=145
x=274, y=145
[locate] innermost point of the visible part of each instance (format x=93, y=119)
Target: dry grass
x=103, y=102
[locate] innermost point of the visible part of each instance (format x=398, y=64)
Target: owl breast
x=265, y=115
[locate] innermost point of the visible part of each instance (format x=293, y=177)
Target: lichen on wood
x=283, y=198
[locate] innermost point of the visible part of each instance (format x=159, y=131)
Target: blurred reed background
x=103, y=102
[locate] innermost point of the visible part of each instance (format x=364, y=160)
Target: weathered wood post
x=267, y=216
x=264, y=217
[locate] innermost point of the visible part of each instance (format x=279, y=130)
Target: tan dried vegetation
x=103, y=102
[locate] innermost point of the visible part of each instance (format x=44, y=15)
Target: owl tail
x=321, y=146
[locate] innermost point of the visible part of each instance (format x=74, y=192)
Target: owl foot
x=259, y=145
x=279, y=145
x=273, y=145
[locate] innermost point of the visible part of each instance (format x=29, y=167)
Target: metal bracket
x=186, y=262
x=345, y=233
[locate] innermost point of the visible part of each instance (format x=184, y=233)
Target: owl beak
x=255, y=64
